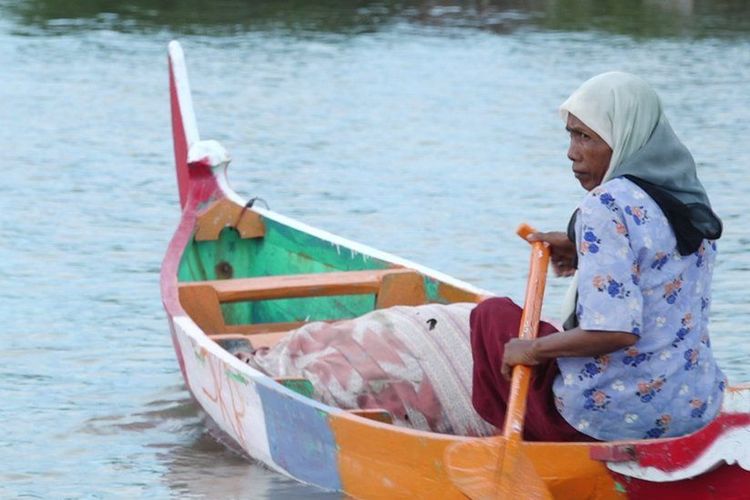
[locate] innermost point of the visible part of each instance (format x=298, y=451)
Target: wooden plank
x=402, y=289
x=453, y=294
x=201, y=299
x=225, y=213
x=259, y=340
x=202, y=304
x=229, y=336
x=377, y=414
x=257, y=328
x=298, y=285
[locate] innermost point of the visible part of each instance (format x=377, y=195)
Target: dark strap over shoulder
x=691, y=223
x=572, y=320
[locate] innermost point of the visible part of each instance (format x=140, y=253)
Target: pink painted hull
x=726, y=482
x=705, y=464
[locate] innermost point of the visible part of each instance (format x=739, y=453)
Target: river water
x=427, y=129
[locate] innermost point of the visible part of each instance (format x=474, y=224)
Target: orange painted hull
x=378, y=461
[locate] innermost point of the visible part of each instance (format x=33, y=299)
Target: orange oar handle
x=524, y=230
x=527, y=330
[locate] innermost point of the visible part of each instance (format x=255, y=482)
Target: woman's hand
x=517, y=352
x=575, y=343
x=562, y=251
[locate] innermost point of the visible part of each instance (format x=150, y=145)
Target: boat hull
x=335, y=449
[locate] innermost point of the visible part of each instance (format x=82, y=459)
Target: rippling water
x=428, y=129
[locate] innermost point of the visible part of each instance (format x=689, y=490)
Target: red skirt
x=493, y=323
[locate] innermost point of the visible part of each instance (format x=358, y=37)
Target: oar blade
x=472, y=466
x=494, y=468
x=517, y=477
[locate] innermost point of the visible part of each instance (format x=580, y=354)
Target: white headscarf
x=621, y=108
x=627, y=114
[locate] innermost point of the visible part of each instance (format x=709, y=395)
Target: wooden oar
x=498, y=467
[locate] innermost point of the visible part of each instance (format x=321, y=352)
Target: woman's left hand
x=517, y=352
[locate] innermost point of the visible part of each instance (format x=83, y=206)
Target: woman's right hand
x=562, y=251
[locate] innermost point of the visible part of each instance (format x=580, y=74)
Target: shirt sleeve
x=609, y=297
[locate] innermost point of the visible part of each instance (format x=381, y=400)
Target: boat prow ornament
x=208, y=153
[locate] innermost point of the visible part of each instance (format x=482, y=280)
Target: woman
x=634, y=360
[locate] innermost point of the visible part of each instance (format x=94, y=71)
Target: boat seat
x=202, y=299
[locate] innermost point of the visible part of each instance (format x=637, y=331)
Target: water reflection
x=193, y=457
x=231, y=475
x=644, y=18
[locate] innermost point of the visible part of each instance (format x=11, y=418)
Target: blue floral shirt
x=631, y=278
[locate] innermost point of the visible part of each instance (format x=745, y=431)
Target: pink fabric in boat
x=414, y=362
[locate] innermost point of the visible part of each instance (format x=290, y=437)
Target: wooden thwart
x=202, y=299
x=405, y=288
x=306, y=285
x=452, y=293
x=260, y=328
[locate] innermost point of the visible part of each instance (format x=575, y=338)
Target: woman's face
x=588, y=152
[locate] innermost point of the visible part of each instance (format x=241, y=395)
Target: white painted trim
x=339, y=241
x=252, y=425
x=731, y=447
x=736, y=400
x=184, y=97
x=192, y=330
x=209, y=151
x=255, y=443
x=369, y=251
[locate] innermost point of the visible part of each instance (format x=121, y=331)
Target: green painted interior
x=300, y=386
x=283, y=250
x=301, y=309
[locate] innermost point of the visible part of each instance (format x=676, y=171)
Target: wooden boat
x=226, y=252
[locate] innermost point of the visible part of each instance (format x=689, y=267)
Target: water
x=425, y=129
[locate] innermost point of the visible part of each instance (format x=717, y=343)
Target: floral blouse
x=631, y=278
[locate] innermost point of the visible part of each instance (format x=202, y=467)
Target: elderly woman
x=634, y=360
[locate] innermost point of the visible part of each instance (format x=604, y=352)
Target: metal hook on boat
x=252, y=201
x=249, y=204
